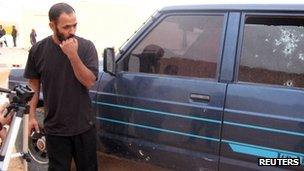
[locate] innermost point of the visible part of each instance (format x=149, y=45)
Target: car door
x=165, y=104
x=263, y=115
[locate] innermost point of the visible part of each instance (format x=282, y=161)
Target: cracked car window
x=273, y=51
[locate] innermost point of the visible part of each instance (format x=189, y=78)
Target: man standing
x=14, y=35
x=67, y=66
x=2, y=36
x=33, y=37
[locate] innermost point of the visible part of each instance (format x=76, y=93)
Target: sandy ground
x=12, y=56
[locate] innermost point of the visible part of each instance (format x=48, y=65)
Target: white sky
x=10, y=7
x=105, y=22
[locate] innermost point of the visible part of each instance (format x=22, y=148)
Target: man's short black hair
x=57, y=9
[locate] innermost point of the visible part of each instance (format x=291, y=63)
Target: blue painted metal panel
x=158, y=110
x=263, y=121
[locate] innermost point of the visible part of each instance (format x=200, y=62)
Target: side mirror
x=109, y=61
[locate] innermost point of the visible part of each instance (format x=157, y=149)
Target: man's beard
x=61, y=37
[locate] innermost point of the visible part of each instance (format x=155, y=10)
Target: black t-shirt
x=66, y=101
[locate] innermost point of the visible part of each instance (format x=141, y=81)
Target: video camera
x=19, y=96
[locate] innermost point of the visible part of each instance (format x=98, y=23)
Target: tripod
x=19, y=109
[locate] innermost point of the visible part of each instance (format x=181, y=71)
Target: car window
x=273, y=51
x=180, y=45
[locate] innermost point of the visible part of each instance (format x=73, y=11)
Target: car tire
x=38, y=156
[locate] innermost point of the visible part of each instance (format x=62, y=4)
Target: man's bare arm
x=35, y=85
x=84, y=75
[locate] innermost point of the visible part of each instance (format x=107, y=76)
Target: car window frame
x=241, y=40
x=158, y=21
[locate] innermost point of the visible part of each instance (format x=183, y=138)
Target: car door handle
x=203, y=98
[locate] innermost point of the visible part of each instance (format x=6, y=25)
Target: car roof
x=237, y=7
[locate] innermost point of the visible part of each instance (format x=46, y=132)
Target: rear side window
x=273, y=51
x=180, y=45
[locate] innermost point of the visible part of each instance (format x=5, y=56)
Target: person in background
x=14, y=35
x=66, y=66
x=33, y=37
x=2, y=36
